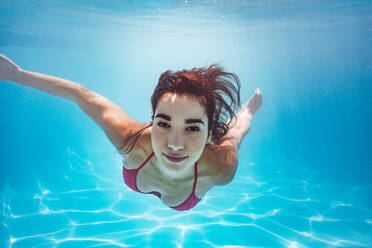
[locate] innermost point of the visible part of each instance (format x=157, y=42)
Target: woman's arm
x=243, y=123
x=116, y=124
x=9, y=71
x=56, y=86
x=225, y=152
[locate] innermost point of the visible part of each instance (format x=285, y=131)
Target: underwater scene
x=304, y=169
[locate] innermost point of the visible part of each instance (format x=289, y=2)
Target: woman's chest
x=173, y=191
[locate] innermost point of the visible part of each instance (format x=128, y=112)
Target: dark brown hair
x=211, y=86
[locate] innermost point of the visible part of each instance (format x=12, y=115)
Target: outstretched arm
x=226, y=150
x=243, y=123
x=9, y=71
x=244, y=118
x=116, y=124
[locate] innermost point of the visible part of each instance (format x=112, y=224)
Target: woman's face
x=179, y=131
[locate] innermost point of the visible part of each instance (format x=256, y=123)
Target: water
x=304, y=175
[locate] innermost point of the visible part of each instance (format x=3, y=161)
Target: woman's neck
x=171, y=175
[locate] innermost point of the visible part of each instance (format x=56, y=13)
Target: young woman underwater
x=190, y=145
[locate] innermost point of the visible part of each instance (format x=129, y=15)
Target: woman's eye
x=193, y=129
x=162, y=124
x=165, y=125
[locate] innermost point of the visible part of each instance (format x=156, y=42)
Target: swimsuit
x=130, y=180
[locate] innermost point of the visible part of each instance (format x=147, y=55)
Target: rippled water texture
x=274, y=213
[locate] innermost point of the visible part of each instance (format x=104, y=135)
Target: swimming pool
x=304, y=175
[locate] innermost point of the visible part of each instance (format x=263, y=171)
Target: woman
x=192, y=142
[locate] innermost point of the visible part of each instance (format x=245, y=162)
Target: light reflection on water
x=257, y=214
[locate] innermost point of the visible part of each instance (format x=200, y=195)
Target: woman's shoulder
x=221, y=162
x=141, y=150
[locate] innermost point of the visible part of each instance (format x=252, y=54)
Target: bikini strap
x=196, y=176
x=152, y=154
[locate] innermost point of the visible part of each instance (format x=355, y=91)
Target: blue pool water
x=304, y=174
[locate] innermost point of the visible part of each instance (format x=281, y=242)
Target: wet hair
x=212, y=86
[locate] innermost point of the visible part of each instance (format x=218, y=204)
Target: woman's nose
x=176, y=142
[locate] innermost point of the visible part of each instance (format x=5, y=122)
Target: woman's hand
x=254, y=103
x=8, y=69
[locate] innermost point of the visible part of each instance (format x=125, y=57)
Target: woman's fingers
x=257, y=91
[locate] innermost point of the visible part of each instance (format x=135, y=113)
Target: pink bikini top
x=130, y=180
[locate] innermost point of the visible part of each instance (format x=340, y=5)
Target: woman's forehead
x=173, y=97
x=172, y=102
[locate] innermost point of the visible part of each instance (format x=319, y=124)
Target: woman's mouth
x=174, y=159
